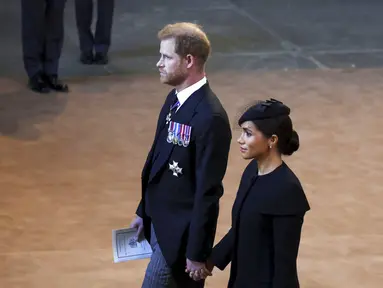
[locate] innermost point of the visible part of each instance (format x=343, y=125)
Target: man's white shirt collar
x=185, y=94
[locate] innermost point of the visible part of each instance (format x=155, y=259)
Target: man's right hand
x=138, y=223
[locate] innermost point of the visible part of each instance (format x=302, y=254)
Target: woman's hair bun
x=292, y=144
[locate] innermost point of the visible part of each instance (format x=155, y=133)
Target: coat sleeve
x=140, y=211
x=287, y=234
x=222, y=252
x=212, y=150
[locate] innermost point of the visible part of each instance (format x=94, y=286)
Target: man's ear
x=190, y=60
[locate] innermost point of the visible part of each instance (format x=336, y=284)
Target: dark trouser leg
x=33, y=27
x=103, y=33
x=84, y=17
x=54, y=35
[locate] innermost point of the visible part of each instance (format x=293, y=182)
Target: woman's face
x=252, y=142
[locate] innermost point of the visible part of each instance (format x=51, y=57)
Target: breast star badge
x=175, y=169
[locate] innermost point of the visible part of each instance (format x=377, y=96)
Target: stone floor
x=246, y=35
x=70, y=173
x=70, y=164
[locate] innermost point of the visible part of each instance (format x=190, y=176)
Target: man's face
x=172, y=68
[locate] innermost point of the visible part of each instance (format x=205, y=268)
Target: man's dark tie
x=172, y=110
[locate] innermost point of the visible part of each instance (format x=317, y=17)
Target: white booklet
x=126, y=247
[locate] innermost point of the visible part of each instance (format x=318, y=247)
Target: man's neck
x=190, y=81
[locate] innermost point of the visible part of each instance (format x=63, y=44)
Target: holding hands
x=197, y=270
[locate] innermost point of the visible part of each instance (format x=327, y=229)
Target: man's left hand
x=193, y=266
x=197, y=270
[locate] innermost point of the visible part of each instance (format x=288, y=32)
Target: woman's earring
x=270, y=146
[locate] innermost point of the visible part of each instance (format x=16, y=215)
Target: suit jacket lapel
x=184, y=115
x=160, y=124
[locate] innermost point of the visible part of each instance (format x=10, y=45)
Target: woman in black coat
x=267, y=216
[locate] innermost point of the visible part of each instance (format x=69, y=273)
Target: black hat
x=267, y=115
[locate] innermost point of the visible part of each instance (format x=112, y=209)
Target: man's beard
x=174, y=79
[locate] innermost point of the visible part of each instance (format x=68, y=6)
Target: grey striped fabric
x=158, y=274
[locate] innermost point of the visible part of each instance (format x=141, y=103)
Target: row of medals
x=173, y=138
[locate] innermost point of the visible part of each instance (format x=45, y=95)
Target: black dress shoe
x=54, y=83
x=37, y=84
x=86, y=58
x=101, y=59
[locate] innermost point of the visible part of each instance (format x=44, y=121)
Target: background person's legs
x=84, y=18
x=54, y=35
x=103, y=32
x=32, y=35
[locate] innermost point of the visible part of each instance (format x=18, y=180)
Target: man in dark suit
x=182, y=176
x=101, y=39
x=42, y=41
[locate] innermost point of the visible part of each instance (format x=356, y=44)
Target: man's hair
x=189, y=39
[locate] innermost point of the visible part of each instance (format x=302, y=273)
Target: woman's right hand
x=205, y=272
